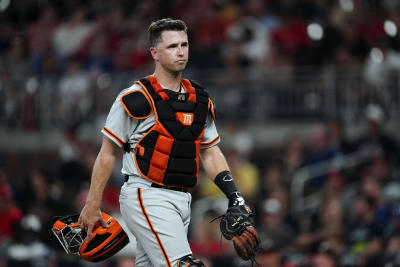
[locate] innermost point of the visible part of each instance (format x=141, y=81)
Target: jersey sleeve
x=118, y=123
x=211, y=136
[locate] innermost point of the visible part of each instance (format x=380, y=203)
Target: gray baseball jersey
x=121, y=128
x=159, y=218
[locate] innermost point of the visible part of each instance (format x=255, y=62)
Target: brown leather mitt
x=238, y=225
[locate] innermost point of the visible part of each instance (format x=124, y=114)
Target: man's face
x=172, y=51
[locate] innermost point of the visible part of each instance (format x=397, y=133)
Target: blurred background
x=308, y=101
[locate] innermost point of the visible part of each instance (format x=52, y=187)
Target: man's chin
x=176, y=68
x=179, y=69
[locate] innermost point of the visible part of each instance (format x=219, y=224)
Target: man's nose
x=180, y=51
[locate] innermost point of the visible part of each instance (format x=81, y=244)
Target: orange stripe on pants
x=139, y=194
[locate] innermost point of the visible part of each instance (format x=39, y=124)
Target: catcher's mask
x=103, y=243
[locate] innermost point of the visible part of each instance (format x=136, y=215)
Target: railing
x=302, y=202
x=51, y=101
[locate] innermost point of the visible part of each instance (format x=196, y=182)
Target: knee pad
x=189, y=261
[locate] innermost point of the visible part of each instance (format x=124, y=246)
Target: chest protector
x=168, y=154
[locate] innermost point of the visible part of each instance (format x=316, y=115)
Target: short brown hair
x=157, y=27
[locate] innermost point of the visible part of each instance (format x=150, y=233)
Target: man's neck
x=169, y=80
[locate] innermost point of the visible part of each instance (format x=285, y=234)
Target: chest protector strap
x=168, y=154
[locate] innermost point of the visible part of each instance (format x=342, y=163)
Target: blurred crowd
x=349, y=217
x=63, y=52
x=59, y=60
x=100, y=36
x=350, y=211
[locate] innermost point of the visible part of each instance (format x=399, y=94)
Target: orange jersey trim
x=216, y=139
x=122, y=143
x=153, y=105
x=139, y=195
x=212, y=109
x=157, y=87
x=189, y=88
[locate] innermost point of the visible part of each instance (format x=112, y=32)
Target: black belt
x=175, y=188
x=180, y=189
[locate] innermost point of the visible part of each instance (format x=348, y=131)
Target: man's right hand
x=89, y=217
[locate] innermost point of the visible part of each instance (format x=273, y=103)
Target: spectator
x=380, y=67
x=40, y=38
x=273, y=228
x=319, y=150
x=74, y=101
x=291, y=34
x=28, y=249
x=273, y=178
x=324, y=259
x=338, y=138
x=376, y=142
x=69, y=37
x=365, y=231
x=10, y=214
x=98, y=59
x=44, y=199
x=72, y=168
x=293, y=154
x=252, y=37
x=270, y=255
x=15, y=63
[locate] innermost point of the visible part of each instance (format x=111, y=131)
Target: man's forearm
x=213, y=161
x=217, y=168
x=102, y=169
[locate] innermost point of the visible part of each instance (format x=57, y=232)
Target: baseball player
x=165, y=125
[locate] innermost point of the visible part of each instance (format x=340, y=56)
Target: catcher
x=165, y=126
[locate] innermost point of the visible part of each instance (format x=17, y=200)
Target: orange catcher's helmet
x=103, y=243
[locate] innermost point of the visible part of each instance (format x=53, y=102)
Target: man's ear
x=154, y=53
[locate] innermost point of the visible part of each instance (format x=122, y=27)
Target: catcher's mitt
x=238, y=225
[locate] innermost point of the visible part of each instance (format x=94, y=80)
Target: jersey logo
x=186, y=119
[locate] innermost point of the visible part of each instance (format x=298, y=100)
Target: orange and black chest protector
x=168, y=154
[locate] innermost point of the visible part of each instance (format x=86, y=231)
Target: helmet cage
x=69, y=234
x=104, y=242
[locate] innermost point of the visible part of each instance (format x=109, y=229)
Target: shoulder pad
x=212, y=109
x=137, y=104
